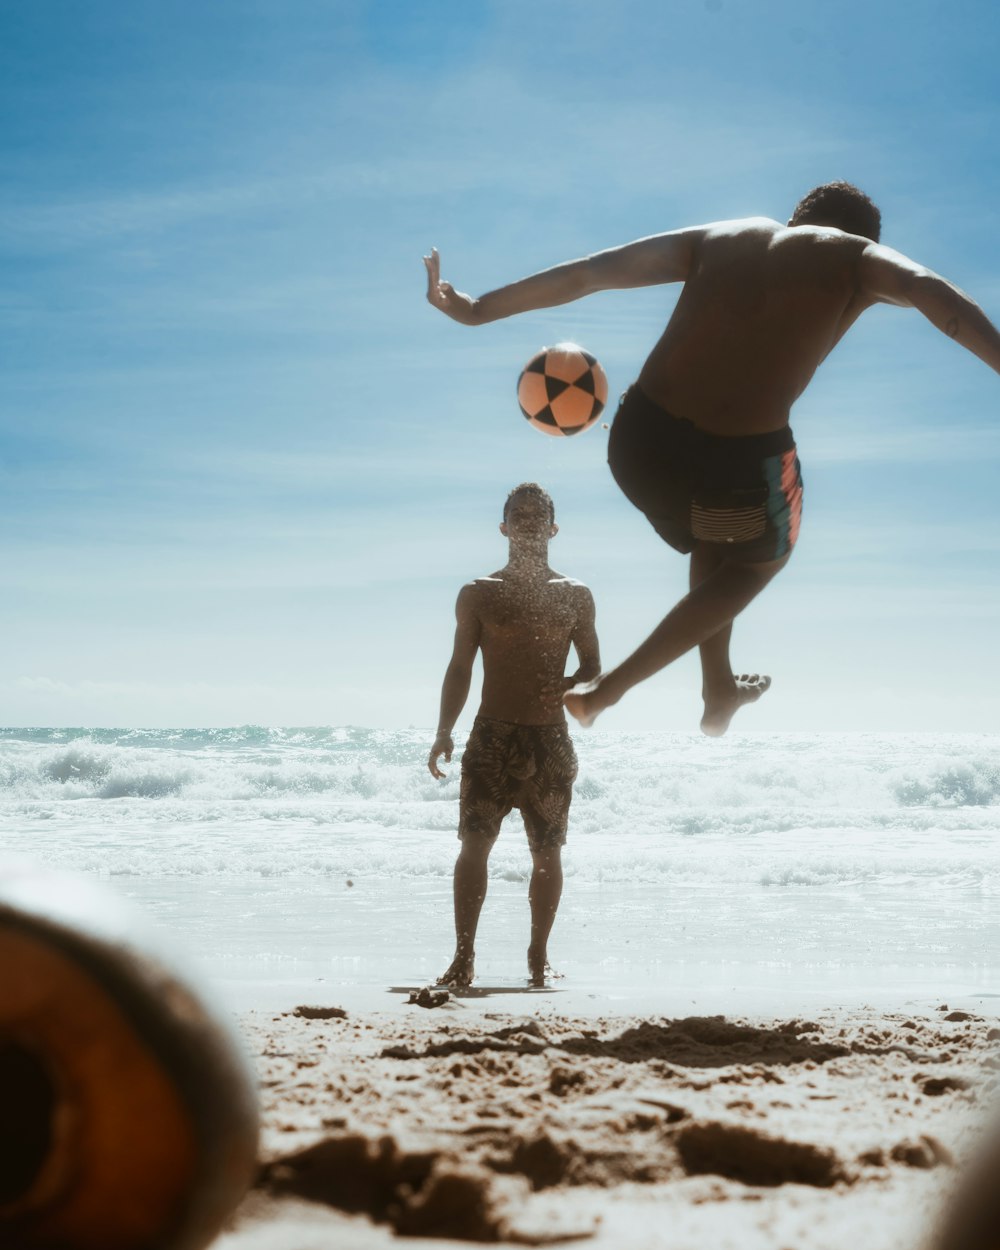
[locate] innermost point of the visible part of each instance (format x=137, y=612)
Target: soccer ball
x=562, y=390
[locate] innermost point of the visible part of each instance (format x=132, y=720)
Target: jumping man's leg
x=709, y=607
x=723, y=691
x=470, y=890
x=544, y=893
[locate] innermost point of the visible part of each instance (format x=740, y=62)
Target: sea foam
x=777, y=811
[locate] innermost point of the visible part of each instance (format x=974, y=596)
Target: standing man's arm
x=586, y=646
x=647, y=262
x=588, y=650
x=457, y=678
x=888, y=277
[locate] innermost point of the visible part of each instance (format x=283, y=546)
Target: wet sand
x=537, y=1126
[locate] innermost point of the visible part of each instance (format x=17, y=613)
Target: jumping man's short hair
x=842, y=205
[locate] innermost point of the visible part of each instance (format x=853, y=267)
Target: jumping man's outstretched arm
x=457, y=678
x=647, y=262
x=889, y=277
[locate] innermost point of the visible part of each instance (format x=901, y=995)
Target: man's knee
x=475, y=849
x=546, y=858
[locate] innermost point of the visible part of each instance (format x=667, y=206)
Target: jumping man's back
x=762, y=305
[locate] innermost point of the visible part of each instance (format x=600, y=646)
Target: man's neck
x=528, y=562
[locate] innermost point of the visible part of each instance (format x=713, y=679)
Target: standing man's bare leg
x=723, y=691
x=470, y=890
x=710, y=606
x=544, y=893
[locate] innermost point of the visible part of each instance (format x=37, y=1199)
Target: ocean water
x=292, y=862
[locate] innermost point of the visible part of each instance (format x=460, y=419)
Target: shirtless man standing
x=519, y=753
x=701, y=442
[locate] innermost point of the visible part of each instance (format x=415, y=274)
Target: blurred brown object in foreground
x=971, y=1218
x=129, y=1115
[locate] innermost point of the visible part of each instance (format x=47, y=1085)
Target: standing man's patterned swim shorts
x=506, y=765
x=743, y=492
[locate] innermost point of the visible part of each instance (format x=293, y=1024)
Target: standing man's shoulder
x=468, y=595
x=579, y=593
x=570, y=584
x=476, y=593
x=483, y=584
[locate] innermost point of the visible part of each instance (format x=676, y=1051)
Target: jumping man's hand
x=443, y=295
x=443, y=745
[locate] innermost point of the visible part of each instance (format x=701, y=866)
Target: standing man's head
x=841, y=205
x=529, y=513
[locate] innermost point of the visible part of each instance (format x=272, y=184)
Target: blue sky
x=244, y=467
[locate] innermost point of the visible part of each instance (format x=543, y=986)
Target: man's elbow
x=942, y=303
x=458, y=674
x=932, y=294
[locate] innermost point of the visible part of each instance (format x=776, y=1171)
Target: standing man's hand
x=443, y=295
x=443, y=745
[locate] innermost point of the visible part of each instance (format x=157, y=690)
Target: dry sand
x=845, y=1129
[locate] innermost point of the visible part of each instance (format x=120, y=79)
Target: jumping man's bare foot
x=587, y=701
x=459, y=973
x=720, y=710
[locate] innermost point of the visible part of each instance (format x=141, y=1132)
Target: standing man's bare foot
x=747, y=688
x=540, y=972
x=586, y=701
x=459, y=973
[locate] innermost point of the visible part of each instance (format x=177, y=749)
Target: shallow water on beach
x=853, y=866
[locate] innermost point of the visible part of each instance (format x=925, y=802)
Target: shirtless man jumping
x=519, y=754
x=701, y=442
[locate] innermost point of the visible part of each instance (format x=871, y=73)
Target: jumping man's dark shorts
x=506, y=765
x=744, y=493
